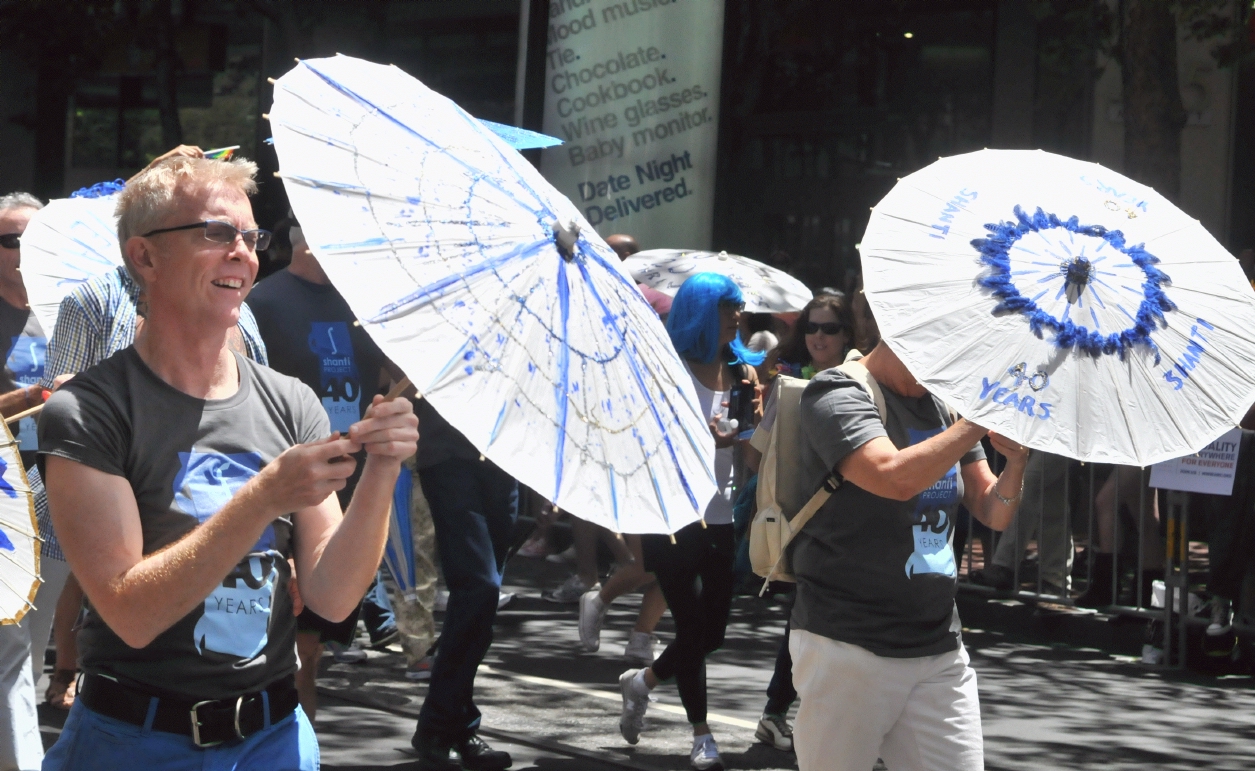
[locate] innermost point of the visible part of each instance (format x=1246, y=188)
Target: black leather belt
x=208, y=722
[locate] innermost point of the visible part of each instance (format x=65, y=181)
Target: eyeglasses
x=10, y=240
x=224, y=233
x=831, y=328
x=731, y=305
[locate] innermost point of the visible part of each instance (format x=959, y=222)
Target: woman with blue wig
x=695, y=572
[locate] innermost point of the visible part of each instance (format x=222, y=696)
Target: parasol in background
x=1063, y=305
x=19, y=540
x=494, y=296
x=765, y=289
x=66, y=243
x=398, y=553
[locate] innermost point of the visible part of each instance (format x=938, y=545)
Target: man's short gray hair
x=149, y=196
x=20, y=200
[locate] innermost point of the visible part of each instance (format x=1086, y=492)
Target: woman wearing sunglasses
x=820, y=338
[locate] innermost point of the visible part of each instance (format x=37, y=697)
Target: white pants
x=918, y=714
x=21, y=662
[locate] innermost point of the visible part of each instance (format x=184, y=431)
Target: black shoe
x=1098, y=592
x=995, y=576
x=478, y=756
x=433, y=753
x=382, y=638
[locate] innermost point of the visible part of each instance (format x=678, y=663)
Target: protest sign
x=1211, y=470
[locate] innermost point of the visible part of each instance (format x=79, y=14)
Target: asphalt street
x=1046, y=703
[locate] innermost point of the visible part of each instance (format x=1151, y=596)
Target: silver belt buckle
x=239, y=702
x=196, y=724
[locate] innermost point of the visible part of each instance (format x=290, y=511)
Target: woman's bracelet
x=1007, y=501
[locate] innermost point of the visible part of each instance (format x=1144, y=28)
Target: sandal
x=62, y=689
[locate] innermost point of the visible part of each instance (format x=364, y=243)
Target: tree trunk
x=167, y=78
x=1153, y=112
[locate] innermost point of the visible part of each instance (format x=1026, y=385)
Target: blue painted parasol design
x=398, y=552
x=494, y=296
x=19, y=535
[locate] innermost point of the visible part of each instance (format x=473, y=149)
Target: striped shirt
x=96, y=320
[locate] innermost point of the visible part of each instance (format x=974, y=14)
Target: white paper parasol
x=1062, y=304
x=66, y=243
x=443, y=240
x=19, y=540
x=765, y=289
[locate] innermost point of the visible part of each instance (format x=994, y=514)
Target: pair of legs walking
x=695, y=575
x=473, y=507
x=917, y=714
x=629, y=577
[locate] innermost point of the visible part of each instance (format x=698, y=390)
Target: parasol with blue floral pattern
x=1063, y=305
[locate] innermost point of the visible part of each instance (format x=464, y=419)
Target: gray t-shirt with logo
x=872, y=571
x=184, y=459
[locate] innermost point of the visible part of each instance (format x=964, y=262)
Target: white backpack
x=781, y=489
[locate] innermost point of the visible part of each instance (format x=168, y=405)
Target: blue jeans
x=473, y=507
x=780, y=692
x=92, y=741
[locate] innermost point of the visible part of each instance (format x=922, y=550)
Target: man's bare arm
x=880, y=468
x=140, y=596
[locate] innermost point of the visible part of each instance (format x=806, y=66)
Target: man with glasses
x=181, y=478
x=98, y=318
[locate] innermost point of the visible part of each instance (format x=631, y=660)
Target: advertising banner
x=632, y=87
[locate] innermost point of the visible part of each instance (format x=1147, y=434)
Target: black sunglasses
x=731, y=305
x=827, y=327
x=223, y=233
x=10, y=240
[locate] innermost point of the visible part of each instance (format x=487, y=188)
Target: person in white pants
x=878, y=660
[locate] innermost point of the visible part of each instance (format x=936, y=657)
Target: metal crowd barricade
x=1175, y=520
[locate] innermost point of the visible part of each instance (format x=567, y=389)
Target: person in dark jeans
x=774, y=728
x=473, y=506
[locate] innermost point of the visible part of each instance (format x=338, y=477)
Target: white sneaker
x=570, y=591
x=567, y=555
x=705, y=754
x=640, y=648
x=592, y=616
x=632, y=721
x=774, y=730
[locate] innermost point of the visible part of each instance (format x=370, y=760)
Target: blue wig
x=694, y=321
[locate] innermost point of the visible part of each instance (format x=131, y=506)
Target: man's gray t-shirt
x=184, y=459
x=872, y=571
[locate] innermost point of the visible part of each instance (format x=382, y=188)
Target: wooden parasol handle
x=33, y=411
x=398, y=389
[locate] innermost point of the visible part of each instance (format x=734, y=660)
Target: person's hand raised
x=1012, y=450
x=389, y=430
x=721, y=439
x=304, y=475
